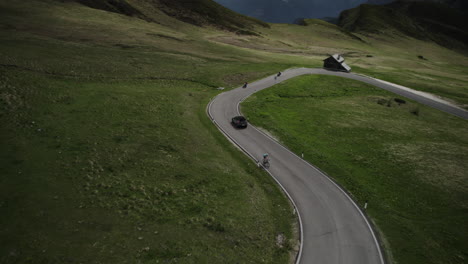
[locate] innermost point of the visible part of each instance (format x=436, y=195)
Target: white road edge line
x=299, y=254
x=298, y=258
x=321, y=172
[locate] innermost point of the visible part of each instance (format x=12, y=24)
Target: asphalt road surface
x=333, y=228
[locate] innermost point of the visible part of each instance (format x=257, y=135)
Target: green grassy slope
x=107, y=154
x=419, y=64
x=408, y=161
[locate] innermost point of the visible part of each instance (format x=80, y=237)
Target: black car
x=239, y=122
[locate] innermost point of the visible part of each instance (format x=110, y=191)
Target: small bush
x=399, y=101
x=415, y=111
x=217, y=227
x=389, y=103
x=246, y=32
x=382, y=101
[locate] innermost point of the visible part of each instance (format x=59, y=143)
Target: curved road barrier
x=333, y=228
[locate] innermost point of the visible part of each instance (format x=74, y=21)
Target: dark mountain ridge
x=430, y=21
x=286, y=11
x=196, y=12
x=461, y=5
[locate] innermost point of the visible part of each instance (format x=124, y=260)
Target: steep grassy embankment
x=107, y=155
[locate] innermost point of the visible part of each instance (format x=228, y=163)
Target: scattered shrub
x=246, y=32
x=382, y=101
x=399, y=101
x=389, y=103
x=212, y=225
x=415, y=111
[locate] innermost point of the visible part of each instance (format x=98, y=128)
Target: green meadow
x=129, y=171
x=107, y=155
x=406, y=160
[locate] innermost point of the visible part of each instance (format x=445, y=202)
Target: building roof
x=338, y=58
x=347, y=68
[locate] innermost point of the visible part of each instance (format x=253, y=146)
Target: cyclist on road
x=266, y=160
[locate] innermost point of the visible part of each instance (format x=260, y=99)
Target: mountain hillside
x=421, y=20
x=379, y=2
x=286, y=11
x=107, y=154
x=196, y=12
x=459, y=4
x=124, y=166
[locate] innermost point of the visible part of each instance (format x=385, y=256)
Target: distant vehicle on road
x=239, y=122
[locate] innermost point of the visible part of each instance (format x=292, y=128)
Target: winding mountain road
x=333, y=228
